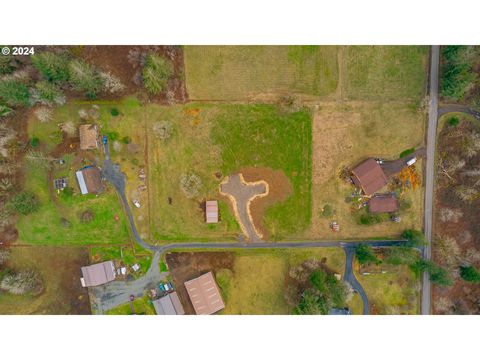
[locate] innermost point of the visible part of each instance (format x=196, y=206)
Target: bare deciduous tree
x=450, y=215
x=44, y=114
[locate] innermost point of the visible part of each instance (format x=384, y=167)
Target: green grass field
x=142, y=306
x=385, y=72
x=257, y=284
x=244, y=72
x=224, y=139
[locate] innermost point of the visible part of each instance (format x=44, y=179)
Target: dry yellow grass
x=258, y=283
x=344, y=136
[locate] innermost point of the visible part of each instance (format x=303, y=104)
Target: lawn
x=142, y=306
x=393, y=293
x=215, y=141
x=386, y=72
x=345, y=135
x=58, y=222
x=253, y=72
x=59, y=269
x=257, y=284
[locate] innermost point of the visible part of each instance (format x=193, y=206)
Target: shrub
x=8, y=64
x=44, y=114
x=407, y=152
x=83, y=77
x=22, y=283
x=48, y=93
x=470, y=274
x=24, y=203
x=156, y=73
x=35, y=141
x=190, y=184
x=327, y=210
x=67, y=192
x=14, y=93
x=5, y=110
x=87, y=216
x=126, y=140
x=453, y=121
x=111, y=83
x=113, y=135
x=53, y=67
x=370, y=219
x=114, y=112
x=366, y=255
x=414, y=238
x=163, y=130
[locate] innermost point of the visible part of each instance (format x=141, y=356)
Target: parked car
x=412, y=161
x=136, y=203
x=167, y=288
x=171, y=285
x=104, y=139
x=161, y=287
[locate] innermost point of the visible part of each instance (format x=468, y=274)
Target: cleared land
x=385, y=72
x=252, y=282
x=393, y=293
x=343, y=136
x=59, y=269
x=250, y=72
x=215, y=141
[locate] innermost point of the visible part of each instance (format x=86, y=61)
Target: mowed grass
x=385, y=72
x=244, y=72
x=59, y=269
x=257, y=286
x=212, y=140
x=343, y=136
x=395, y=293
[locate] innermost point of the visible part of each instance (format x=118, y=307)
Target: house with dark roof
x=369, y=176
x=385, y=203
x=168, y=305
x=90, y=180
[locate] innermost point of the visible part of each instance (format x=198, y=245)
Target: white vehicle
x=412, y=161
x=136, y=203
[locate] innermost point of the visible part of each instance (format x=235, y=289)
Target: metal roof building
x=90, y=180
x=204, y=294
x=98, y=274
x=369, y=176
x=168, y=305
x=211, y=212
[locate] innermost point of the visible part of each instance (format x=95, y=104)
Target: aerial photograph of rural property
x=239, y=180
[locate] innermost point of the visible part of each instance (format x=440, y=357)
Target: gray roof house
x=98, y=274
x=168, y=305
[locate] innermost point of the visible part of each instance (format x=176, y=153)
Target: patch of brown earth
x=184, y=266
x=279, y=189
x=125, y=62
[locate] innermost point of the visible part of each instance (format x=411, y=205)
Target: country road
x=430, y=173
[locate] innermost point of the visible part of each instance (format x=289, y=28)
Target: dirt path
x=241, y=194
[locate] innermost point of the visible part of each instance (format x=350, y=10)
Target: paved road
x=349, y=277
x=449, y=108
x=430, y=173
